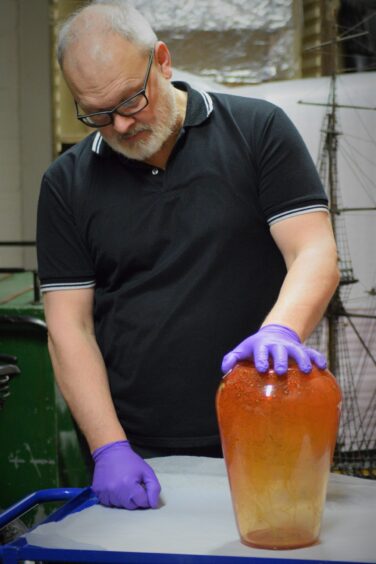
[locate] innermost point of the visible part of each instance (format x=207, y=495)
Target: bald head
x=89, y=28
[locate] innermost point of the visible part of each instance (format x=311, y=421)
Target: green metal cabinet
x=39, y=446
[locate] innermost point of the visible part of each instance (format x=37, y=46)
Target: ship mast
x=331, y=144
x=331, y=147
x=328, y=169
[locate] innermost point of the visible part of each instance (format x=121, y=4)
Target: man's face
x=146, y=135
x=100, y=80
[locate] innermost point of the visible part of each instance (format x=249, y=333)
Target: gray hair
x=118, y=16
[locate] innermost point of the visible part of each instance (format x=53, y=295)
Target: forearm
x=309, y=251
x=81, y=376
x=310, y=283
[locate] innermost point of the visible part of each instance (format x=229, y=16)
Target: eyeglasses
x=128, y=107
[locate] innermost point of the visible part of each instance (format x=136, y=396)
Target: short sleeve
x=289, y=183
x=63, y=260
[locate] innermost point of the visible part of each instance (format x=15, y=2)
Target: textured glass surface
x=278, y=435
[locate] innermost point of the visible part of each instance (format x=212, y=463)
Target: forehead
x=103, y=68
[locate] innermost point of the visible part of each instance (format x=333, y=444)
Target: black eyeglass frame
x=110, y=113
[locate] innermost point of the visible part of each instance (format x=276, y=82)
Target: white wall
x=25, y=121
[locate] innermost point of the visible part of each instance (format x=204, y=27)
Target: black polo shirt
x=182, y=260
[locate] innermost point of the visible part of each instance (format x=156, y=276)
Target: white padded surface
x=196, y=517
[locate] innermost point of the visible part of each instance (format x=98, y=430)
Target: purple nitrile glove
x=123, y=479
x=278, y=342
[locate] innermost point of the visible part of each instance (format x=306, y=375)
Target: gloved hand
x=123, y=479
x=280, y=343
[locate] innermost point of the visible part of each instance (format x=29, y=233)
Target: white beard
x=166, y=117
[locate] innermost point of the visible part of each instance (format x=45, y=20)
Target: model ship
x=348, y=331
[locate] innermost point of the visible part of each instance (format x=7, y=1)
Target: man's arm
x=121, y=478
x=310, y=253
x=78, y=365
x=309, y=250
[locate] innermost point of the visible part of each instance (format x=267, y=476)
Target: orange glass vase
x=278, y=436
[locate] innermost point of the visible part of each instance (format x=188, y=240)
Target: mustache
x=134, y=132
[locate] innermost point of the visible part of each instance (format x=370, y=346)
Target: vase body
x=278, y=436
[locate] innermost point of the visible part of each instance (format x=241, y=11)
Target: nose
x=121, y=123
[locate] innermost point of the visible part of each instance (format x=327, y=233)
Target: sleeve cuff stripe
x=297, y=211
x=67, y=286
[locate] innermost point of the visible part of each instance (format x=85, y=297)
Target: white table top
x=196, y=517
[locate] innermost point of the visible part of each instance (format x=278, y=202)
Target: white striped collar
x=199, y=105
x=199, y=108
x=208, y=102
x=97, y=142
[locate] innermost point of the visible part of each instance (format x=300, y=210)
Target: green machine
x=39, y=445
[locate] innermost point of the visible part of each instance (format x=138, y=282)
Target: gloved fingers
x=280, y=358
x=153, y=488
x=298, y=353
x=316, y=357
x=136, y=498
x=261, y=357
x=229, y=361
x=103, y=497
x=243, y=351
x=127, y=498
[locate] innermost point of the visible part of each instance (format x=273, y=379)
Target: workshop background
x=265, y=48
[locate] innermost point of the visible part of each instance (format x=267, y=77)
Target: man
x=182, y=225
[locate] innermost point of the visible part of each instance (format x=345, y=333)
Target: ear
x=163, y=59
